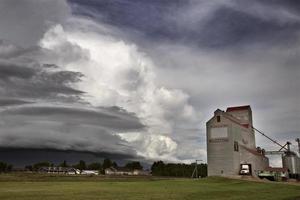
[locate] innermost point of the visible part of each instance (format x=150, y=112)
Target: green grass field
x=44, y=187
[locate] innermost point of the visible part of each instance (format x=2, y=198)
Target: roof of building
x=238, y=108
x=235, y=120
x=276, y=169
x=232, y=118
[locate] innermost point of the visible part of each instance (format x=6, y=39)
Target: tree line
x=159, y=168
x=82, y=165
x=5, y=167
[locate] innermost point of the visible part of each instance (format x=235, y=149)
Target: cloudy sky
x=139, y=78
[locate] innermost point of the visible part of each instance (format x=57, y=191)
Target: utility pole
x=196, y=169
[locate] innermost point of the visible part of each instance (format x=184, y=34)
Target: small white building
x=118, y=171
x=138, y=172
x=59, y=170
x=89, y=172
x=125, y=171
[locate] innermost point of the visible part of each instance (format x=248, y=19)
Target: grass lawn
x=44, y=187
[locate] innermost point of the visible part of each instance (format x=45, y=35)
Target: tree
x=134, y=165
x=9, y=168
x=158, y=168
x=63, y=164
x=4, y=167
x=94, y=166
x=29, y=167
x=81, y=165
x=106, y=163
x=38, y=165
x=114, y=164
x=178, y=170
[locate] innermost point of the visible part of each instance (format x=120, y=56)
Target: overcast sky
x=140, y=78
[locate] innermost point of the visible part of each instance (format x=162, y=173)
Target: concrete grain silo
x=231, y=143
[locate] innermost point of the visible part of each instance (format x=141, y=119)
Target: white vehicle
x=245, y=169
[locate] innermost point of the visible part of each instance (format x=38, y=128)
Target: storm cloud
x=34, y=81
x=142, y=77
x=221, y=53
x=67, y=128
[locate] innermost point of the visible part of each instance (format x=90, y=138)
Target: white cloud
x=116, y=73
x=152, y=146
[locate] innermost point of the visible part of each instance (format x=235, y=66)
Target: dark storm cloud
x=42, y=108
x=21, y=157
x=146, y=16
x=11, y=102
x=86, y=129
x=229, y=23
x=10, y=70
x=230, y=27
x=32, y=80
x=290, y=4
x=113, y=118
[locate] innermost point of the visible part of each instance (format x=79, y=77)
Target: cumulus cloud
x=117, y=73
x=79, y=62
